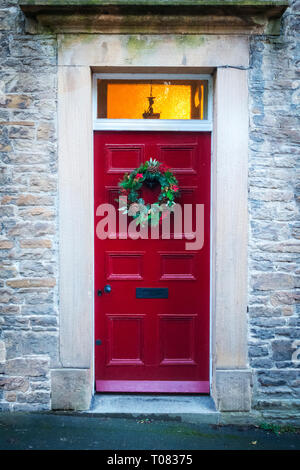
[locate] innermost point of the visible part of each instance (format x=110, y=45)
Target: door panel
x=152, y=344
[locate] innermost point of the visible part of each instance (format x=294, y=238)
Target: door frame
x=180, y=385
x=228, y=57
x=176, y=125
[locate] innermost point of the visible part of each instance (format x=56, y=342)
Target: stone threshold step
x=182, y=407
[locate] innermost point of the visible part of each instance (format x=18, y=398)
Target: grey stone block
x=282, y=350
x=233, y=389
x=258, y=351
x=2, y=351
x=71, y=389
x=29, y=366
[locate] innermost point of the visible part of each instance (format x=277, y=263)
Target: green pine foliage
x=150, y=171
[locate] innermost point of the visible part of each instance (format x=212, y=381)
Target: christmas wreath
x=150, y=173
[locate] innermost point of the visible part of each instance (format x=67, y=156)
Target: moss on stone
x=136, y=43
x=192, y=40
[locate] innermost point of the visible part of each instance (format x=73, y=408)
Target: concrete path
x=53, y=431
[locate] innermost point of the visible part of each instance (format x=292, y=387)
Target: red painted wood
x=152, y=386
x=154, y=345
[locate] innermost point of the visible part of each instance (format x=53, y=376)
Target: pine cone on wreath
x=153, y=166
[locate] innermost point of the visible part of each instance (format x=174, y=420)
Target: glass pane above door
x=155, y=99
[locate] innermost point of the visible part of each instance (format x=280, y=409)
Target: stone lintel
x=71, y=389
x=154, y=17
x=233, y=389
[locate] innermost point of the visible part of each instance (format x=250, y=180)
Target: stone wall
x=29, y=232
x=28, y=201
x=274, y=324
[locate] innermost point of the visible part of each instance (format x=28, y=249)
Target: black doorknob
x=107, y=289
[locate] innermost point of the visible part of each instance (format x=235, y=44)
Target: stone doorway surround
x=78, y=57
x=225, y=54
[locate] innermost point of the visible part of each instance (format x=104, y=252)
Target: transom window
x=162, y=102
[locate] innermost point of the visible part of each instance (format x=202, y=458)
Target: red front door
x=152, y=344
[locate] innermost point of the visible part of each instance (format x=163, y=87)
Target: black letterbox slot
x=152, y=292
